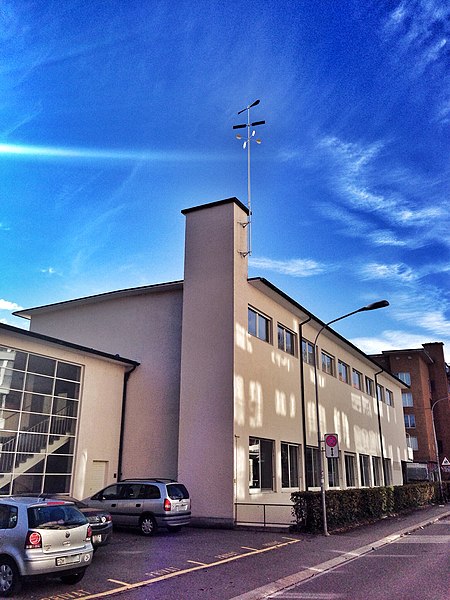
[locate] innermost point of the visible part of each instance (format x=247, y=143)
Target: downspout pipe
x=379, y=425
x=302, y=393
x=122, y=420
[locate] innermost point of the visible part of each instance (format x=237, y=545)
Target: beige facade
x=58, y=430
x=222, y=398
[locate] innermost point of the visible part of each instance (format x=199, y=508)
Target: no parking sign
x=331, y=445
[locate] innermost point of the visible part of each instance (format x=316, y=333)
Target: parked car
x=145, y=503
x=41, y=537
x=99, y=519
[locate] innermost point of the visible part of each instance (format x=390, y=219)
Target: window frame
x=350, y=474
x=364, y=470
x=292, y=465
x=389, y=396
x=260, y=317
x=331, y=362
x=259, y=484
x=358, y=385
x=380, y=393
x=369, y=386
x=407, y=399
x=312, y=467
x=285, y=333
x=410, y=420
x=404, y=376
x=377, y=471
x=343, y=368
x=333, y=472
x=308, y=352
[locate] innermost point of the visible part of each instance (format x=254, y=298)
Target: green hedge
x=355, y=506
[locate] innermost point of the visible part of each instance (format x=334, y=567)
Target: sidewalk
x=351, y=544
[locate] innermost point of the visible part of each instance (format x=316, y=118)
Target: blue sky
x=115, y=115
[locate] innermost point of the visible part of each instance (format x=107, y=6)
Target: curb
x=291, y=580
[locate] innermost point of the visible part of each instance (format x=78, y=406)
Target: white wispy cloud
x=49, y=271
x=396, y=271
x=7, y=305
x=297, y=267
x=367, y=182
x=396, y=340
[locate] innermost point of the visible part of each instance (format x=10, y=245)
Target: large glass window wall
x=39, y=405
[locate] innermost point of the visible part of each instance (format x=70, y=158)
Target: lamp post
x=373, y=306
x=441, y=491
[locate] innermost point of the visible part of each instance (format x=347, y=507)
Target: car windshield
x=177, y=491
x=59, y=516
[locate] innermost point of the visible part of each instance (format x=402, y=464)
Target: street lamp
x=373, y=306
x=441, y=491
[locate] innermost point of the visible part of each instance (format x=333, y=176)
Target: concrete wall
x=145, y=328
x=214, y=235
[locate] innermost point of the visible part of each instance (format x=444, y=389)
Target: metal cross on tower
x=246, y=145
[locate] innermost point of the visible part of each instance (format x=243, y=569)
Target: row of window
x=261, y=327
x=261, y=467
x=370, y=470
x=345, y=374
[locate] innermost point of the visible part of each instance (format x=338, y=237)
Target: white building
x=224, y=396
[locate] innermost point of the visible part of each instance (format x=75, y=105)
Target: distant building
x=426, y=392
x=224, y=394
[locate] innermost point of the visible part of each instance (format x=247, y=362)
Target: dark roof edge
x=24, y=313
x=71, y=345
x=321, y=323
x=186, y=211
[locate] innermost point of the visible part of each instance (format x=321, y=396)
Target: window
x=364, y=470
x=380, y=393
x=357, y=379
x=350, y=478
x=413, y=443
x=389, y=398
x=410, y=421
x=39, y=397
x=312, y=467
x=289, y=465
x=8, y=516
x=308, y=352
x=376, y=466
x=261, y=464
x=327, y=363
x=258, y=325
x=387, y=471
x=405, y=377
x=286, y=340
x=333, y=472
x=407, y=399
x=343, y=371
x=369, y=386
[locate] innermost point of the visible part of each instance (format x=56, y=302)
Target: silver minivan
x=145, y=503
x=41, y=537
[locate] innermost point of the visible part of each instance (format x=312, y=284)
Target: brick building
x=426, y=394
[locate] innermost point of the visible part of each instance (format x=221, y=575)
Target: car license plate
x=67, y=560
x=96, y=539
x=181, y=507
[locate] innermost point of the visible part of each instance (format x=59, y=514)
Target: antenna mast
x=246, y=145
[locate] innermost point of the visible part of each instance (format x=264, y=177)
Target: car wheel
x=147, y=525
x=173, y=528
x=73, y=577
x=9, y=578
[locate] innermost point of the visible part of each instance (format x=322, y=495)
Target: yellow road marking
x=117, y=581
x=132, y=586
x=195, y=562
x=248, y=548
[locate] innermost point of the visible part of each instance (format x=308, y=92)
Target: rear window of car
x=177, y=491
x=55, y=516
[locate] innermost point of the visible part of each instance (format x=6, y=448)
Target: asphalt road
x=214, y=564
x=416, y=567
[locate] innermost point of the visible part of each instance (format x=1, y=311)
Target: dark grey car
x=145, y=504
